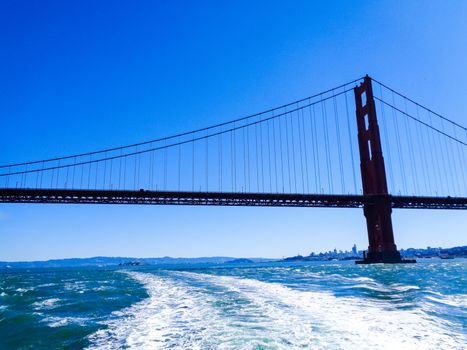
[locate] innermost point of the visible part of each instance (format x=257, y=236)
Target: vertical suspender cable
x=410, y=138
x=326, y=145
x=235, y=156
x=300, y=149
x=248, y=154
x=257, y=162
x=193, y=163
x=220, y=160
x=339, y=145
x=288, y=154
x=244, y=160
x=261, y=153
x=293, y=152
x=443, y=159
x=281, y=150
x=306, y=153
x=433, y=148
x=460, y=160
x=354, y=177
x=207, y=161
x=274, y=150
x=269, y=156
x=399, y=151
x=179, y=165
x=450, y=160
x=422, y=154
x=315, y=133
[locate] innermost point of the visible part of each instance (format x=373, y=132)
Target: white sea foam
x=174, y=316
x=186, y=312
x=46, y=304
x=101, y=288
x=54, y=321
x=404, y=288
x=76, y=286
x=451, y=300
x=46, y=285
x=318, y=319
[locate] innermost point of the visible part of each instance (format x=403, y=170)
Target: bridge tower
x=382, y=248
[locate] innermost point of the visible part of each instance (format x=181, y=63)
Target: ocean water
x=332, y=305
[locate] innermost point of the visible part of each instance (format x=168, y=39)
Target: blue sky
x=82, y=76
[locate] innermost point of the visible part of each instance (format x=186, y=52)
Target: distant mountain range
x=112, y=261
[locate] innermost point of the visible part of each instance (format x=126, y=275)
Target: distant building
x=354, y=249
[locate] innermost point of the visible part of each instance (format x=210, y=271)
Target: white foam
x=46, y=304
x=76, y=286
x=249, y=314
x=55, y=322
x=101, y=288
x=174, y=316
x=404, y=288
x=319, y=319
x=456, y=300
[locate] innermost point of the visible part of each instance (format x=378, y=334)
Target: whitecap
x=458, y=300
x=101, y=288
x=46, y=304
x=55, y=321
x=403, y=288
x=77, y=286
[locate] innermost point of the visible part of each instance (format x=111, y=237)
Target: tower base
x=388, y=257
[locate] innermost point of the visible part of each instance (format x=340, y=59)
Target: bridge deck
x=68, y=196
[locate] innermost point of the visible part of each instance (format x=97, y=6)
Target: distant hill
x=240, y=261
x=123, y=261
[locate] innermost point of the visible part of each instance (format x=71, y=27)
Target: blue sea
x=315, y=305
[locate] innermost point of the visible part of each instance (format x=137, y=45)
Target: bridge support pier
x=381, y=248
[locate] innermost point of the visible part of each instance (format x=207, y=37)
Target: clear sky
x=85, y=75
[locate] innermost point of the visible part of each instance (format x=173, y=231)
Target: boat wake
x=188, y=310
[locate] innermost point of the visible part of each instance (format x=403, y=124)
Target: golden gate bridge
x=325, y=150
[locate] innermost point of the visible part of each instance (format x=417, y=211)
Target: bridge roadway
x=70, y=196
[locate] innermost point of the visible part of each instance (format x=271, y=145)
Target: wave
x=46, y=304
x=458, y=300
x=55, y=321
x=200, y=311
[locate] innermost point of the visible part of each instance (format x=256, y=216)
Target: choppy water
x=259, y=306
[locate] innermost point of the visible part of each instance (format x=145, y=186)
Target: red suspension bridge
x=307, y=153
